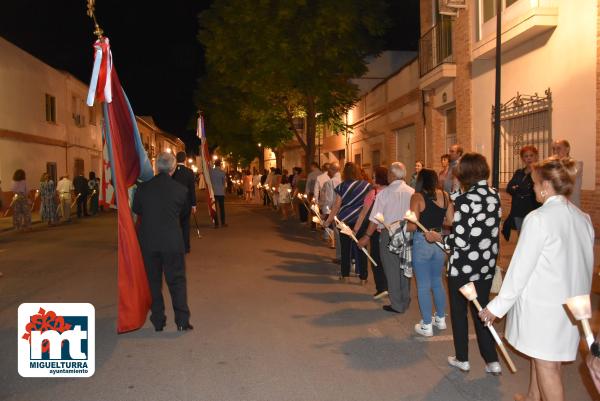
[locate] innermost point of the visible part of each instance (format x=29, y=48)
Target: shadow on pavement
x=304, y=279
x=336, y=297
x=483, y=388
x=383, y=353
x=350, y=317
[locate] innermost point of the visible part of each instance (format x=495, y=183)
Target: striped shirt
x=353, y=195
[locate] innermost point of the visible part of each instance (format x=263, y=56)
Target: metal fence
x=524, y=120
x=435, y=46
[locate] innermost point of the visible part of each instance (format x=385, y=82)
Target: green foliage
x=271, y=60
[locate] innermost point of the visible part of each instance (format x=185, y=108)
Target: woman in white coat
x=553, y=261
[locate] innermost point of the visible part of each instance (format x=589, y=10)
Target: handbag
x=497, y=281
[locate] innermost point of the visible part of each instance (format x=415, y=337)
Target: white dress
x=553, y=261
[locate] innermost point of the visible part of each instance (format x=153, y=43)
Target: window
x=524, y=120
x=488, y=7
x=358, y=160
x=51, y=170
x=375, y=159
x=78, y=167
x=50, y=108
x=450, y=117
x=92, y=115
x=77, y=112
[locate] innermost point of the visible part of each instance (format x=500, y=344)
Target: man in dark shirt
x=185, y=177
x=81, y=190
x=159, y=203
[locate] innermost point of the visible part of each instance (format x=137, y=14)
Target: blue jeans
x=428, y=265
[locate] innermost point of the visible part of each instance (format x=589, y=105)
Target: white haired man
x=392, y=203
x=561, y=148
x=160, y=201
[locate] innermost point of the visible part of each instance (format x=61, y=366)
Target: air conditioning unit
x=451, y=7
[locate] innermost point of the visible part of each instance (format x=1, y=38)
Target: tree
x=290, y=58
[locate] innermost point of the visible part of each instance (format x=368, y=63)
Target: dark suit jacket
x=80, y=183
x=185, y=176
x=159, y=203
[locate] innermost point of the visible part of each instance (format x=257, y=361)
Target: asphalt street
x=272, y=322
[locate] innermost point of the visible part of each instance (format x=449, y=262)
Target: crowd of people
x=56, y=199
x=452, y=239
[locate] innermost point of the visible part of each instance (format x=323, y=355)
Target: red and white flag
x=204, y=156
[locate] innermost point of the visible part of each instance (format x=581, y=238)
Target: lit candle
x=289, y=191
x=581, y=308
x=379, y=218
x=469, y=291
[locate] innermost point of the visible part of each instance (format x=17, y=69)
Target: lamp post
x=496, y=149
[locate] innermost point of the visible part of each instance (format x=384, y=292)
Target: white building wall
x=24, y=83
x=563, y=60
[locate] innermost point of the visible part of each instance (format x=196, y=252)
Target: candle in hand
x=580, y=306
x=468, y=290
x=379, y=217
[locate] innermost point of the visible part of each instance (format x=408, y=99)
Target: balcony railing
x=435, y=46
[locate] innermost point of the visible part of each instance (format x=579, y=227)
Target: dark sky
x=154, y=46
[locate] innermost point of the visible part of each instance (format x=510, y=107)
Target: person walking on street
x=561, y=148
x=380, y=182
x=48, y=200
x=451, y=184
x=218, y=179
x=392, y=202
x=94, y=188
x=443, y=173
x=64, y=189
x=185, y=176
x=81, y=189
x=433, y=209
x=21, y=208
x=350, y=196
x=159, y=203
x=520, y=187
x=553, y=261
x=473, y=246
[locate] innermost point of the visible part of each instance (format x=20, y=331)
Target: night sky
x=154, y=46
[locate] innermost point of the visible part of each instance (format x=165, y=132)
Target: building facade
x=549, y=85
x=45, y=125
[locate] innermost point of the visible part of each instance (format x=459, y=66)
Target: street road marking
x=375, y=332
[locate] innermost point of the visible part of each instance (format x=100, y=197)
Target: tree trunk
x=311, y=130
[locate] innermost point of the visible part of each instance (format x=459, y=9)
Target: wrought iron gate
x=524, y=120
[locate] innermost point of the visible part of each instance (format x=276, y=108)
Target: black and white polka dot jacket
x=474, y=239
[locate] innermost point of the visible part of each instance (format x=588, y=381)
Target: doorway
x=405, y=147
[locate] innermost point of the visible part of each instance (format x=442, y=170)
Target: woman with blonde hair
x=553, y=261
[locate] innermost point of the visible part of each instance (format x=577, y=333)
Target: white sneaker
x=439, y=322
x=423, y=329
x=493, y=368
x=463, y=366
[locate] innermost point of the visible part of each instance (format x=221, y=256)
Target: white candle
x=580, y=306
x=469, y=291
x=379, y=217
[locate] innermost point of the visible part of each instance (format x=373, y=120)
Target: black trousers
x=378, y=273
x=184, y=220
x=220, y=201
x=173, y=266
x=266, y=199
x=349, y=249
x=303, y=212
x=82, y=206
x=460, y=322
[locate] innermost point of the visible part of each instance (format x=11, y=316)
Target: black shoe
x=388, y=308
x=185, y=327
x=160, y=328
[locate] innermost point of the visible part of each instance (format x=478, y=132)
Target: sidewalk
x=6, y=223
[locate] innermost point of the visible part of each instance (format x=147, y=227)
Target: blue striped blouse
x=353, y=195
